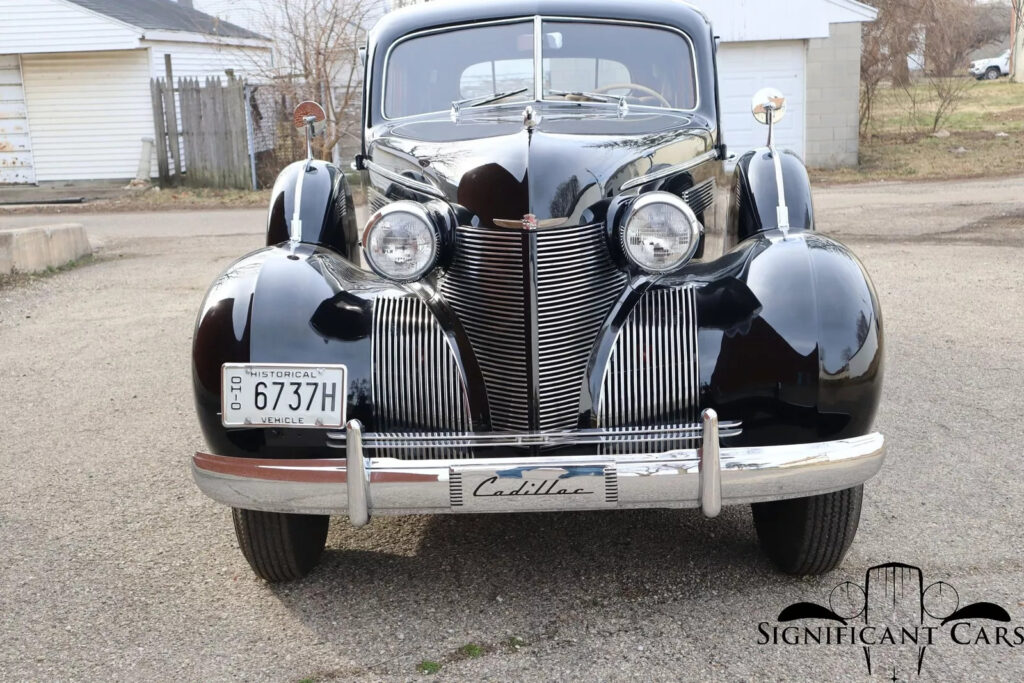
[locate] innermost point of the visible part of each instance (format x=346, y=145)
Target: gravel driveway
x=114, y=566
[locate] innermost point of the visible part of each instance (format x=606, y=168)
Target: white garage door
x=89, y=112
x=745, y=68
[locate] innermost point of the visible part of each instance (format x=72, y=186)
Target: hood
x=492, y=165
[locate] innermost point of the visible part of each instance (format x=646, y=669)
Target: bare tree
x=942, y=33
x=887, y=44
x=316, y=46
x=1017, y=41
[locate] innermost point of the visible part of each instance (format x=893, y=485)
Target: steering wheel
x=635, y=86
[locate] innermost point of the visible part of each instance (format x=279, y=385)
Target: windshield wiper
x=484, y=99
x=587, y=96
x=583, y=96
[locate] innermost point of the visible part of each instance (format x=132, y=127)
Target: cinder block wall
x=833, y=97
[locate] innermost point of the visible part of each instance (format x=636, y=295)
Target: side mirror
x=311, y=116
x=768, y=102
x=769, y=107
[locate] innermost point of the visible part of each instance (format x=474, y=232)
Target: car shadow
x=459, y=569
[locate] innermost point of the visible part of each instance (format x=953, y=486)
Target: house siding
x=89, y=113
x=199, y=60
x=15, y=141
x=44, y=26
x=833, y=97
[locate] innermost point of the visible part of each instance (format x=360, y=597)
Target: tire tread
x=280, y=547
x=809, y=535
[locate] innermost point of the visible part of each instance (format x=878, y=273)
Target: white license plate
x=585, y=487
x=283, y=395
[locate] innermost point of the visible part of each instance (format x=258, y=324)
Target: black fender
x=327, y=212
x=755, y=194
x=790, y=340
x=295, y=303
x=302, y=303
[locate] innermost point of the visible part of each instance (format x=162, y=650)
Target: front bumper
x=706, y=477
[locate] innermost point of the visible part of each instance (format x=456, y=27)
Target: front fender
x=755, y=194
x=296, y=303
x=790, y=339
x=326, y=216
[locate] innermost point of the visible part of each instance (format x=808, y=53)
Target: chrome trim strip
x=781, y=211
x=426, y=189
x=710, y=467
x=538, y=58
x=710, y=155
x=356, y=483
x=295, y=229
x=440, y=441
x=669, y=479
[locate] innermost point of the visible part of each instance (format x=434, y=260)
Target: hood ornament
x=530, y=222
x=531, y=119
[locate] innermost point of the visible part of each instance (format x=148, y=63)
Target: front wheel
x=809, y=535
x=992, y=73
x=278, y=546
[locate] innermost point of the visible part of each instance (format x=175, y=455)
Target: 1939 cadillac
x=566, y=298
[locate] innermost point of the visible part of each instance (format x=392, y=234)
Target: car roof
x=441, y=13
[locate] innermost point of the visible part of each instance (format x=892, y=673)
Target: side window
x=485, y=78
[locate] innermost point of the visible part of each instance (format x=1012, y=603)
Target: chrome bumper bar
x=706, y=477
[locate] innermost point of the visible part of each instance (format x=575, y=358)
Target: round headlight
x=401, y=242
x=660, y=232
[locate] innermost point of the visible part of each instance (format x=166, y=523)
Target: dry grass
x=900, y=145
x=171, y=199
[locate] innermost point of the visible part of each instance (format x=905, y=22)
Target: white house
x=808, y=49
x=75, y=98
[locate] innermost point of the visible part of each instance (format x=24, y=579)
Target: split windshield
x=581, y=62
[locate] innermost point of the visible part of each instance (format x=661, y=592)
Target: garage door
x=15, y=144
x=89, y=113
x=745, y=68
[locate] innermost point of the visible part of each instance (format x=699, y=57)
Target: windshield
x=580, y=62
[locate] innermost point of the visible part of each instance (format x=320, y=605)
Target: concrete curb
x=27, y=250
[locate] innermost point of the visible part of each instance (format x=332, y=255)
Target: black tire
x=992, y=73
x=280, y=547
x=809, y=535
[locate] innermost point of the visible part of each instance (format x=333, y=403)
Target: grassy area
x=16, y=279
x=901, y=146
x=153, y=199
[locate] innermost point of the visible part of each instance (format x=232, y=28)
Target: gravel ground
x=114, y=566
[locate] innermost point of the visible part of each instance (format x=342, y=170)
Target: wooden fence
x=212, y=147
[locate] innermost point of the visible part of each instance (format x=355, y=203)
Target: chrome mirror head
x=309, y=113
x=311, y=116
x=768, y=102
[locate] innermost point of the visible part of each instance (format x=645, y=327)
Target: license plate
x=584, y=487
x=280, y=395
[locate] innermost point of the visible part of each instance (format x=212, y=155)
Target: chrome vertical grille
x=700, y=196
x=577, y=284
x=416, y=382
x=485, y=287
x=652, y=373
x=532, y=303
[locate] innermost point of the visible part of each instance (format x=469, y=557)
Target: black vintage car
x=573, y=299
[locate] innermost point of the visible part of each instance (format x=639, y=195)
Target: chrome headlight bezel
x=421, y=215
x=686, y=214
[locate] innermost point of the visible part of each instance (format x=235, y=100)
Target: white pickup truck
x=993, y=68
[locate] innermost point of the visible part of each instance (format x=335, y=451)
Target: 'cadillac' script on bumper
x=475, y=489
